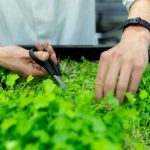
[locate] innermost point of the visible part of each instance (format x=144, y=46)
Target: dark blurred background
x=110, y=14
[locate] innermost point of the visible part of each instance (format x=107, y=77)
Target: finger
x=51, y=52
x=48, y=48
x=123, y=81
x=42, y=55
x=54, y=58
x=35, y=70
x=39, y=46
x=102, y=70
x=37, y=73
x=136, y=78
x=112, y=76
x=35, y=65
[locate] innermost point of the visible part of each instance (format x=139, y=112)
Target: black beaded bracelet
x=135, y=22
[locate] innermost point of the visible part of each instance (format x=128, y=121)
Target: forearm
x=140, y=8
x=5, y=53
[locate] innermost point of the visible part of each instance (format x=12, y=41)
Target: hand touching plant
x=121, y=68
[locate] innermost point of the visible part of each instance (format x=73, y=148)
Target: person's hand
x=17, y=59
x=121, y=68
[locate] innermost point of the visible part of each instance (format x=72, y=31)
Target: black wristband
x=135, y=22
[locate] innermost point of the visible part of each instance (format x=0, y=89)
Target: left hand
x=17, y=59
x=121, y=68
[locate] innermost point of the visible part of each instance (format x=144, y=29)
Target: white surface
x=128, y=3
x=64, y=22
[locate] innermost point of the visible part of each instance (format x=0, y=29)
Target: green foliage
x=11, y=79
x=36, y=114
x=29, y=79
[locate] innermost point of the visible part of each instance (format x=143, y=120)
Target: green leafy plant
x=36, y=114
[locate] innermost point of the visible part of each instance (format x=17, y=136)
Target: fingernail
x=43, y=56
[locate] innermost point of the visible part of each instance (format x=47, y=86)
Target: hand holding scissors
x=49, y=65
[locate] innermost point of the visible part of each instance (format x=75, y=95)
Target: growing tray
x=89, y=52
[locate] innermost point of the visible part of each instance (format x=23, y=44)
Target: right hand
x=17, y=59
x=121, y=68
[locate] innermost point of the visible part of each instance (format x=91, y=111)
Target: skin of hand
x=17, y=59
x=121, y=68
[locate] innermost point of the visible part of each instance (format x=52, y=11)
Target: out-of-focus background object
x=110, y=14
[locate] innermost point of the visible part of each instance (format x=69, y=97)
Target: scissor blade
x=59, y=80
x=62, y=84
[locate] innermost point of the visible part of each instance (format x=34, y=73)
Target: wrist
x=138, y=33
x=4, y=56
x=3, y=52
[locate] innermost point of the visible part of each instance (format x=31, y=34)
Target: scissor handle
x=48, y=65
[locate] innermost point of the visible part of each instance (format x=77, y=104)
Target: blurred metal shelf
x=110, y=6
x=111, y=9
x=75, y=52
x=110, y=14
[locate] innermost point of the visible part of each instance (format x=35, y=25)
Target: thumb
x=42, y=55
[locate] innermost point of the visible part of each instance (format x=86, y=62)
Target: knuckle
x=53, y=56
x=108, y=86
x=97, y=85
x=138, y=76
x=139, y=65
x=50, y=47
x=104, y=55
x=128, y=59
x=122, y=87
x=99, y=78
x=117, y=54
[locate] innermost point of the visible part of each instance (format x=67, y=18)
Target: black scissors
x=50, y=67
